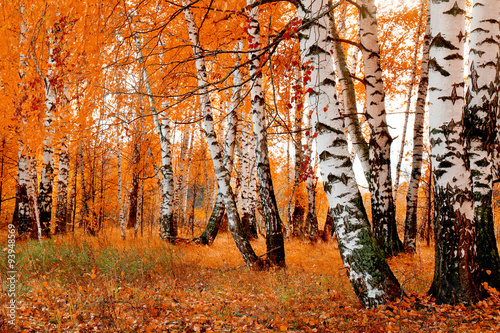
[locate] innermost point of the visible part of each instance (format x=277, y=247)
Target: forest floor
x=104, y=284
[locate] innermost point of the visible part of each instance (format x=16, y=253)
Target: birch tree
x=366, y=267
x=349, y=98
x=50, y=80
x=24, y=217
x=163, y=126
x=223, y=176
x=410, y=238
x=248, y=182
x=217, y=215
x=274, y=233
x=480, y=118
x=408, y=100
x=383, y=208
x=456, y=271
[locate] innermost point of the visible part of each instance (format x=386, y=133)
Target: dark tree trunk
x=329, y=228
x=215, y=221
x=249, y=222
x=133, y=199
x=297, y=219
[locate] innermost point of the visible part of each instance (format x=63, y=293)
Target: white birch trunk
x=408, y=102
x=163, y=127
x=274, y=234
x=456, y=271
x=217, y=215
x=349, y=98
x=248, y=183
x=223, y=176
x=410, y=238
x=367, y=268
x=24, y=218
x=480, y=118
x=311, y=179
x=46, y=179
x=383, y=208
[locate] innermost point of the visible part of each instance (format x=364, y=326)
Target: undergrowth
x=78, y=283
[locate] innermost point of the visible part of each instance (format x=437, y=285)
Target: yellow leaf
x=283, y=328
x=45, y=284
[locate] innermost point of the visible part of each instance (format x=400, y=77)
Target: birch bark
x=223, y=176
x=383, y=208
x=46, y=179
x=456, y=271
x=410, y=238
x=168, y=230
x=217, y=215
x=408, y=101
x=248, y=188
x=23, y=217
x=349, y=98
x=367, y=269
x=480, y=118
x=274, y=233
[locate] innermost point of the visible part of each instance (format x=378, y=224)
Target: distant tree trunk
x=329, y=228
x=395, y=188
x=274, y=233
x=72, y=194
x=429, y=208
x=132, y=199
x=120, y=189
x=456, y=274
x=168, y=227
x=36, y=231
x=84, y=212
x=410, y=239
x=366, y=267
x=180, y=196
x=298, y=213
x=480, y=119
x=62, y=190
x=311, y=180
x=311, y=213
x=383, y=208
x=248, y=190
x=168, y=230
x=215, y=220
x=223, y=176
x=138, y=220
